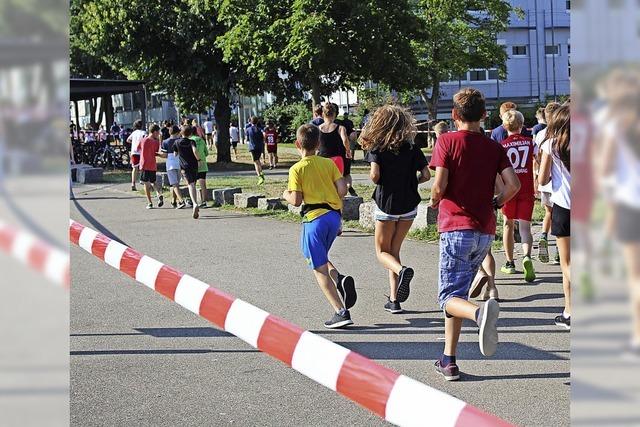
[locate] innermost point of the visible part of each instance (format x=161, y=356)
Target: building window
x=493, y=74
x=477, y=75
x=568, y=5
x=616, y=4
x=552, y=50
x=519, y=50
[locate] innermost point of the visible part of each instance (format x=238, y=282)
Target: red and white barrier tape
x=36, y=254
x=394, y=397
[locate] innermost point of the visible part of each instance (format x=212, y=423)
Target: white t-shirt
x=136, y=137
x=208, y=126
x=234, y=134
x=560, y=178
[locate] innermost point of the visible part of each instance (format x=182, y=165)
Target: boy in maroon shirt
x=149, y=149
x=466, y=164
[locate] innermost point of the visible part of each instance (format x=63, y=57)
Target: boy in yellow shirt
x=318, y=183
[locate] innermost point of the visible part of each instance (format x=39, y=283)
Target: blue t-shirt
x=500, y=133
x=537, y=128
x=317, y=121
x=255, y=138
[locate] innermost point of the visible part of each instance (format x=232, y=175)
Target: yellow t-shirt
x=314, y=177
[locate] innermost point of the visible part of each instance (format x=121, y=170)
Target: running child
x=555, y=167
x=187, y=153
x=521, y=151
x=234, y=134
x=149, y=149
x=134, y=139
x=203, y=168
x=397, y=167
x=255, y=139
x=466, y=164
x=173, y=167
x=316, y=182
x=271, y=137
x=545, y=190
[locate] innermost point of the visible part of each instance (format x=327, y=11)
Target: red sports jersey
x=521, y=151
x=271, y=136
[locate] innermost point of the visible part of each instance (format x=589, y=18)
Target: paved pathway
x=139, y=358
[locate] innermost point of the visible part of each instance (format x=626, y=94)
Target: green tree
x=457, y=36
x=171, y=45
x=320, y=45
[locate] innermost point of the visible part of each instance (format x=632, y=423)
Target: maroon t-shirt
x=473, y=161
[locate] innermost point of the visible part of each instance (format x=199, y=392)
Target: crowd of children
x=501, y=175
x=474, y=177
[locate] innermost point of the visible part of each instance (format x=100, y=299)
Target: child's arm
x=341, y=187
x=292, y=197
x=511, y=186
x=544, y=173
x=374, y=172
x=425, y=175
x=195, y=151
x=439, y=185
x=345, y=141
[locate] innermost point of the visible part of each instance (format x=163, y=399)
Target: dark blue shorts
x=317, y=238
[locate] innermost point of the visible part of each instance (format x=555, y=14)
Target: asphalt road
x=139, y=358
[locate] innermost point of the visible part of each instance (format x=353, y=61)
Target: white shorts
x=409, y=216
x=174, y=176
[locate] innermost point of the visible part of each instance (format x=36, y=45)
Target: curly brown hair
x=389, y=128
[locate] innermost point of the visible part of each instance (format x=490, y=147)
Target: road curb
x=383, y=391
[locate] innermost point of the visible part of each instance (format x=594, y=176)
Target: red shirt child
x=521, y=151
x=271, y=138
x=148, y=149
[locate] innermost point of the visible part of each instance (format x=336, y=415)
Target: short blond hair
x=513, y=120
x=441, y=127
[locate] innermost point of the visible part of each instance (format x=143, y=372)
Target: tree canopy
x=320, y=45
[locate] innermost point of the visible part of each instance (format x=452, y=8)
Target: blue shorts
x=317, y=238
x=461, y=254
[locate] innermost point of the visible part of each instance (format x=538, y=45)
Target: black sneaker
x=353, y=192
x=133, y=188
x=174, y=204
x=150, y=206
x=347, y=290
x=451, y=372
x=393, y=306
x=339, y=320
x=563, y=321
x=181, y=205
x=404, y=279
x=160, y=201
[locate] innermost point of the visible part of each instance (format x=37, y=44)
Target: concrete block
x=224, y=196
x=351, y=208
x=246, y=200
x=74, y=170
x=295, y=209
x=89, y=175
x=270, y=204
x=367, y=215
x=426, y=216
x=184, y=192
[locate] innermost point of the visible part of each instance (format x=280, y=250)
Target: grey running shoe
x=196, y=212
x=339, y=320
x=487, y=321
x=393, y=306
x=543, y=251
x=565, y=322
x=451, y=372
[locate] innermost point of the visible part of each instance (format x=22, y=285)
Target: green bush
x=288, y=118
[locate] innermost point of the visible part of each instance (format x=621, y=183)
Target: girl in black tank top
x=331, y=144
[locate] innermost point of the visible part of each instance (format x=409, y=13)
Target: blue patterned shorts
x=461, y=254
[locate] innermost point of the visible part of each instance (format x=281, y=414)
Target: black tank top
x=331, y=144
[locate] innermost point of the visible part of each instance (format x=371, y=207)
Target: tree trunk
x=222, y=114
x=315, y=91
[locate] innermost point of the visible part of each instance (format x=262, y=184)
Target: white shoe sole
x=339, y=324
x=567, y=327
x=393, y=311
x=488, y=336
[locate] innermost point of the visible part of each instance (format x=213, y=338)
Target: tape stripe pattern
x=394, y=397
x=36, y=254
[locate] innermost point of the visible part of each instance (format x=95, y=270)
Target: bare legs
x=327, y=277
x=564, y=249
x=460, y=309
x=389, y=236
